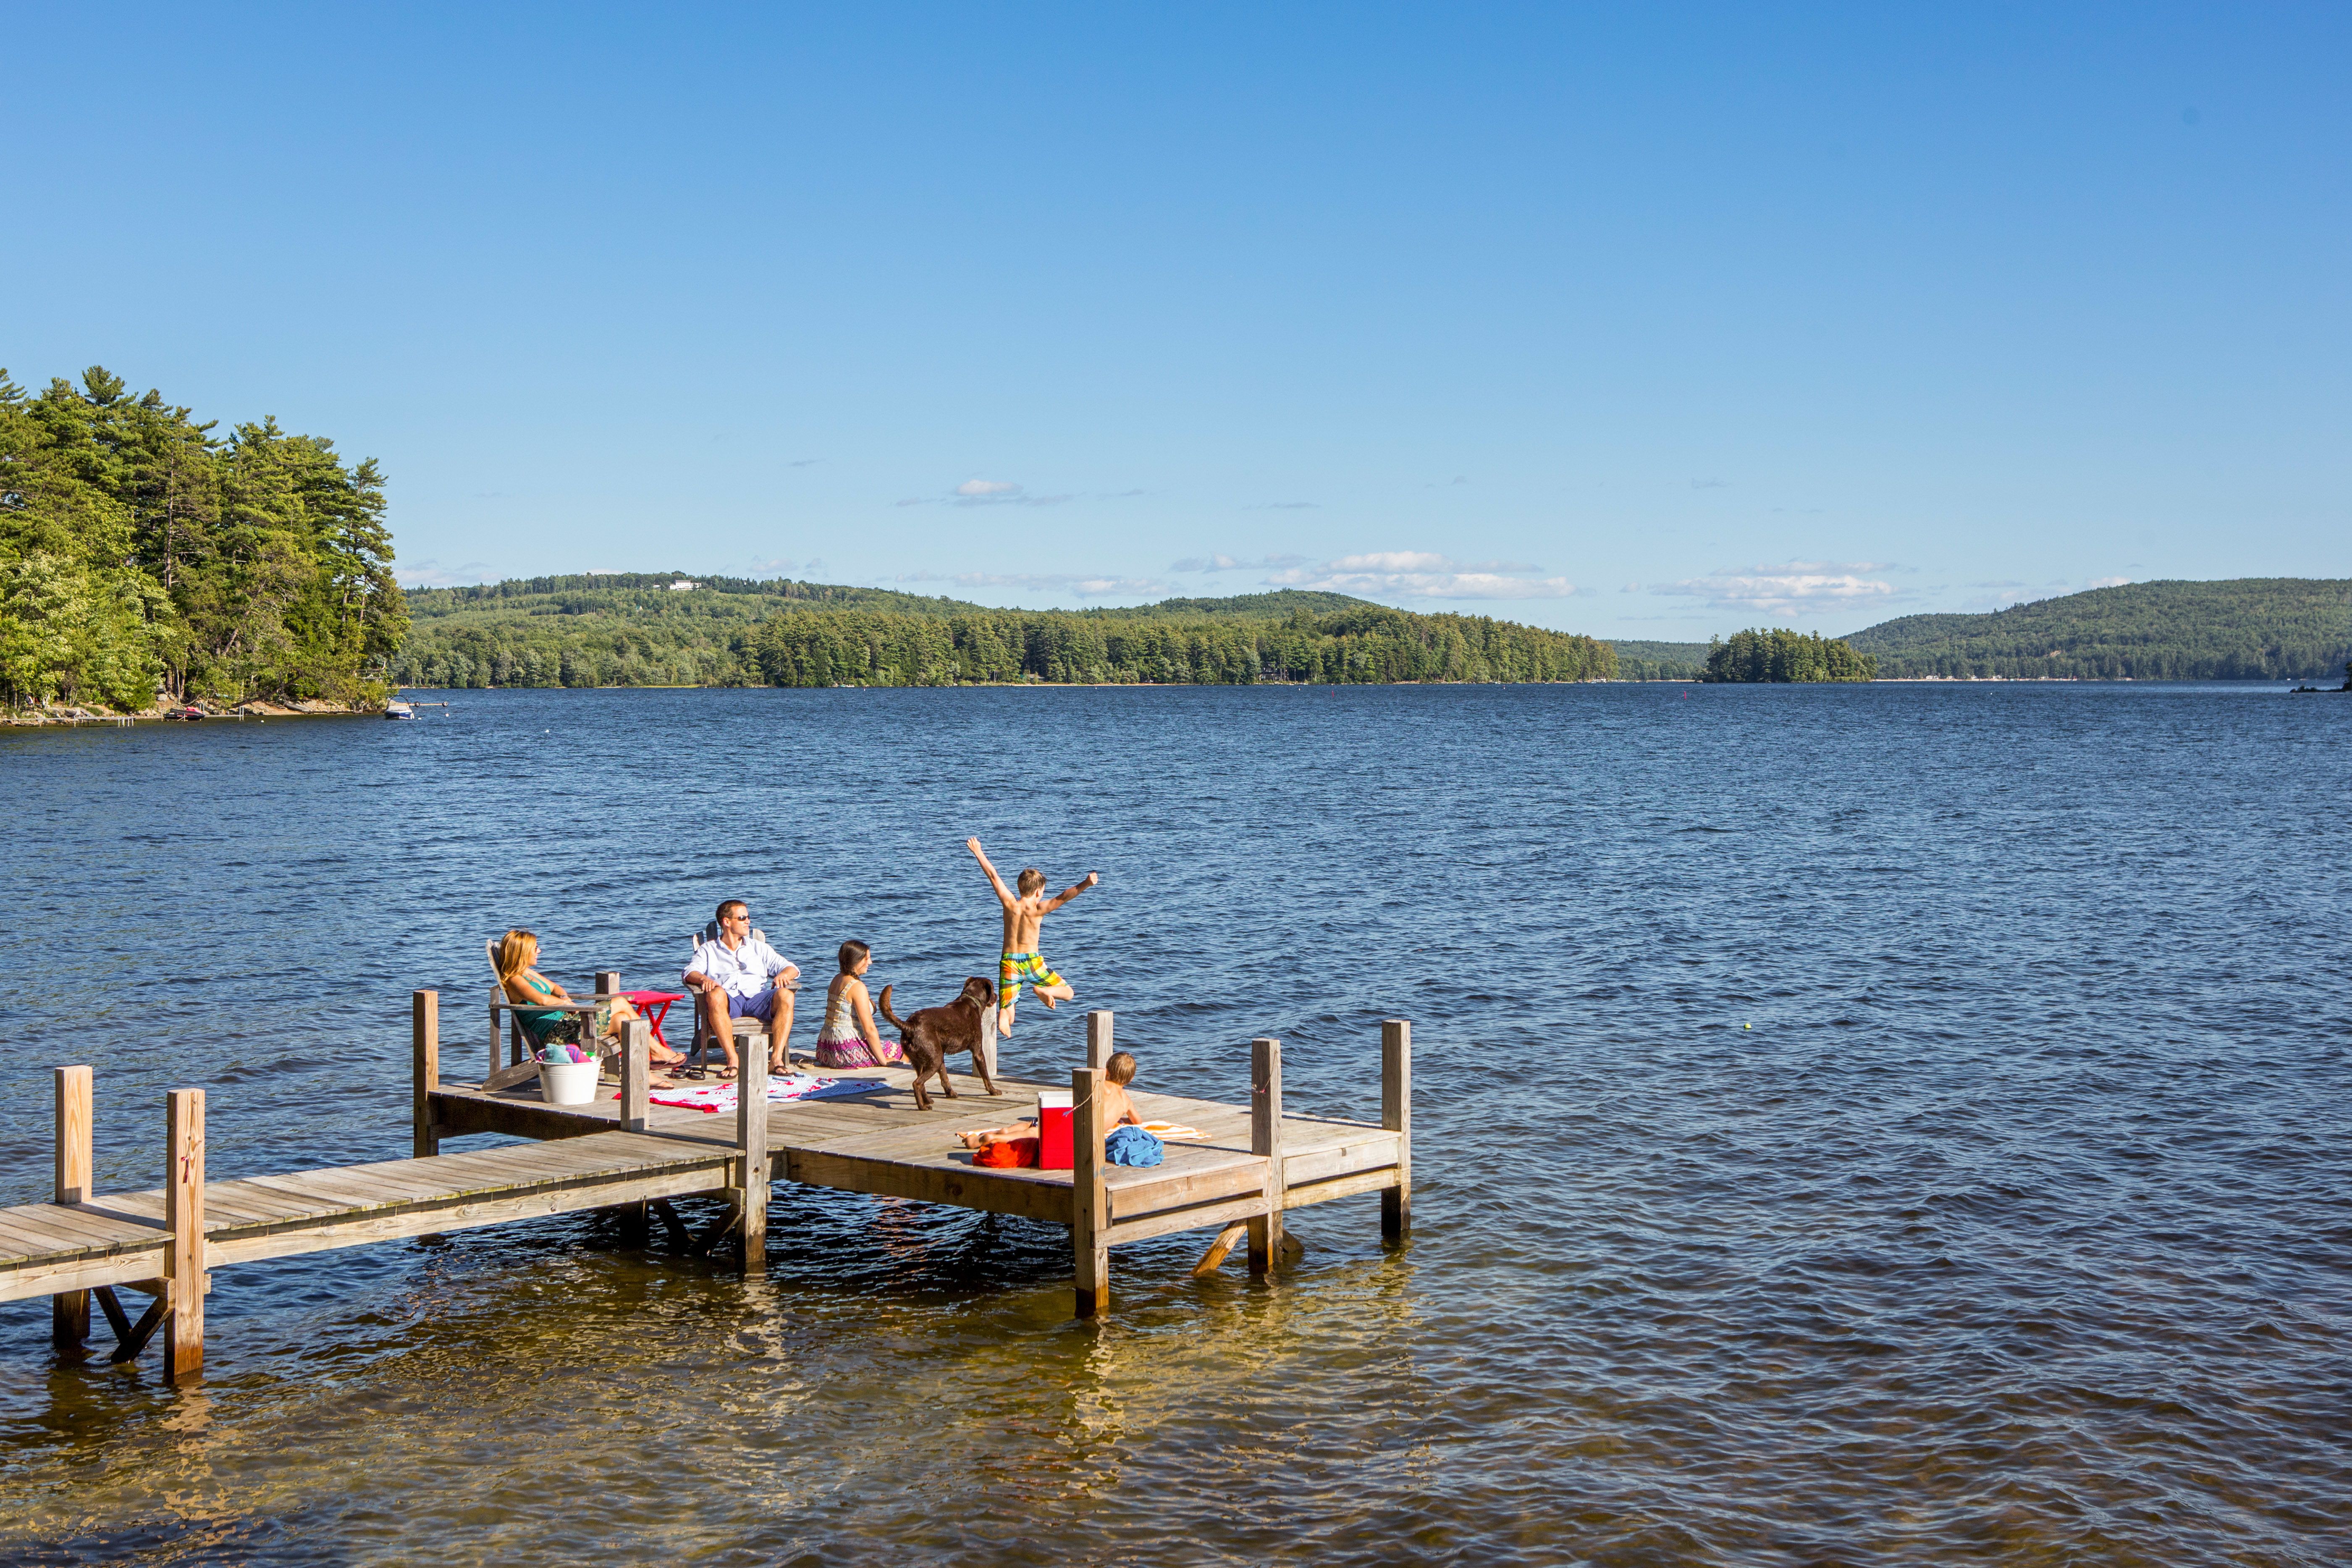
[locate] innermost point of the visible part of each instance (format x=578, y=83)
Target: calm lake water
x=1864, y=1126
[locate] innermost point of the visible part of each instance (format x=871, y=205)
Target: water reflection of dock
x=621, y=1152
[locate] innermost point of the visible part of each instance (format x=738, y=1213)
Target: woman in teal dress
x=518, y=951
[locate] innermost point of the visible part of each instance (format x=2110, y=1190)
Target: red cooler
x=1053, y=1130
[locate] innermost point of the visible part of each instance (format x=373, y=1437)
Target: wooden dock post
x=1396, y=1115
x=636, y=1062
x=69, y=1310
x=1266, y=1140
x=424, y=1068
x=184, y=1212
x=1090, y=1201
x=1098, y=1045
x=751, y=1150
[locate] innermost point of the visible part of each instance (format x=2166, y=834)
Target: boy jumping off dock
x=1024, y=911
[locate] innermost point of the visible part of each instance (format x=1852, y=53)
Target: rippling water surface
x=1865, y=1126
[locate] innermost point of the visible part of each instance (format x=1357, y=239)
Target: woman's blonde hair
x=516, y=949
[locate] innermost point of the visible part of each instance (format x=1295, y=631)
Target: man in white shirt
x=739, y=976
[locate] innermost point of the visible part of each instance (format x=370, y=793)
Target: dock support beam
x=1266, y=1140
x=1098, y=1045
x=1090, y=1201
x=424, y=1068
x=751, y=1152
x=184, y=1212
x=1396, y=1115
x=69, y=1310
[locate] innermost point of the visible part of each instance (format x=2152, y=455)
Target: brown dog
x=934, y=1034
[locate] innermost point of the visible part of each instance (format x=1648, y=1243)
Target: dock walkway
x=1252, y=1163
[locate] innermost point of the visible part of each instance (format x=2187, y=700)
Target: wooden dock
x=621, y=1153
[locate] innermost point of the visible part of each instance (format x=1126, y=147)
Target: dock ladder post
x=1090, y=1199
x=184, y=1212
x=69, y=1310
x=636, y=1060
x=751, y=1150
x=1265, y=1142
x=424, y=1069
x=1396, y=1115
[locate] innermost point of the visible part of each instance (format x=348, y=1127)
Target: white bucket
x=567, y=1083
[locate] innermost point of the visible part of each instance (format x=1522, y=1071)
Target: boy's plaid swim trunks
x=1014, y=967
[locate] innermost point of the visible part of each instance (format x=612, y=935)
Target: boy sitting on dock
x=1025, y=910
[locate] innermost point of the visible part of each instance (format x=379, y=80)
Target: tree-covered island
x=1781, y=656
x=144, y=555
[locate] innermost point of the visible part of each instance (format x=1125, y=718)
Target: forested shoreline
x=636, y=629
x=141, y=555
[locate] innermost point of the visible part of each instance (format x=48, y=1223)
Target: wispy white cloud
x=1423, y=575
x=2109, y=581
x=433, y=574
x=777, y=563
x=803, y=462
x=984, y=492
x=1230, y=563
x=1710, y=484
x=1084, y=584
x=1793, y=588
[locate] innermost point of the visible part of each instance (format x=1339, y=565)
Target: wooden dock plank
x=470, y=1212
x=45, y=1230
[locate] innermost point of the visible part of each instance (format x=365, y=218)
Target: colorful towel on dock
x=715, y=1098
x=1174, y=1130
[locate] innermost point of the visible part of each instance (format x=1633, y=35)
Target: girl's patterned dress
x=839, y=1044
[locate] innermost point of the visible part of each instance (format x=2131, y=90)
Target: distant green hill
x=1638, y=660
x=637, y=629
x=2249, y=628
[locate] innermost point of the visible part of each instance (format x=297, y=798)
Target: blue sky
x=1647, y=322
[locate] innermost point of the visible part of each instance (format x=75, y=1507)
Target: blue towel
x=1131, y=1146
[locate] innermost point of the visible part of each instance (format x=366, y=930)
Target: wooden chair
x=522, y=1051
x=697, y=1054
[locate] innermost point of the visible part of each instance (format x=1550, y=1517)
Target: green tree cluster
x=140, y=552
x=2248, y=628
x=1366, y=644
x=1781, y=656
x=640, y=630
x=1641, y=660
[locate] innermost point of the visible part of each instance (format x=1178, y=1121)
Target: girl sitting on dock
x=849, y=1038
x=518, y=951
